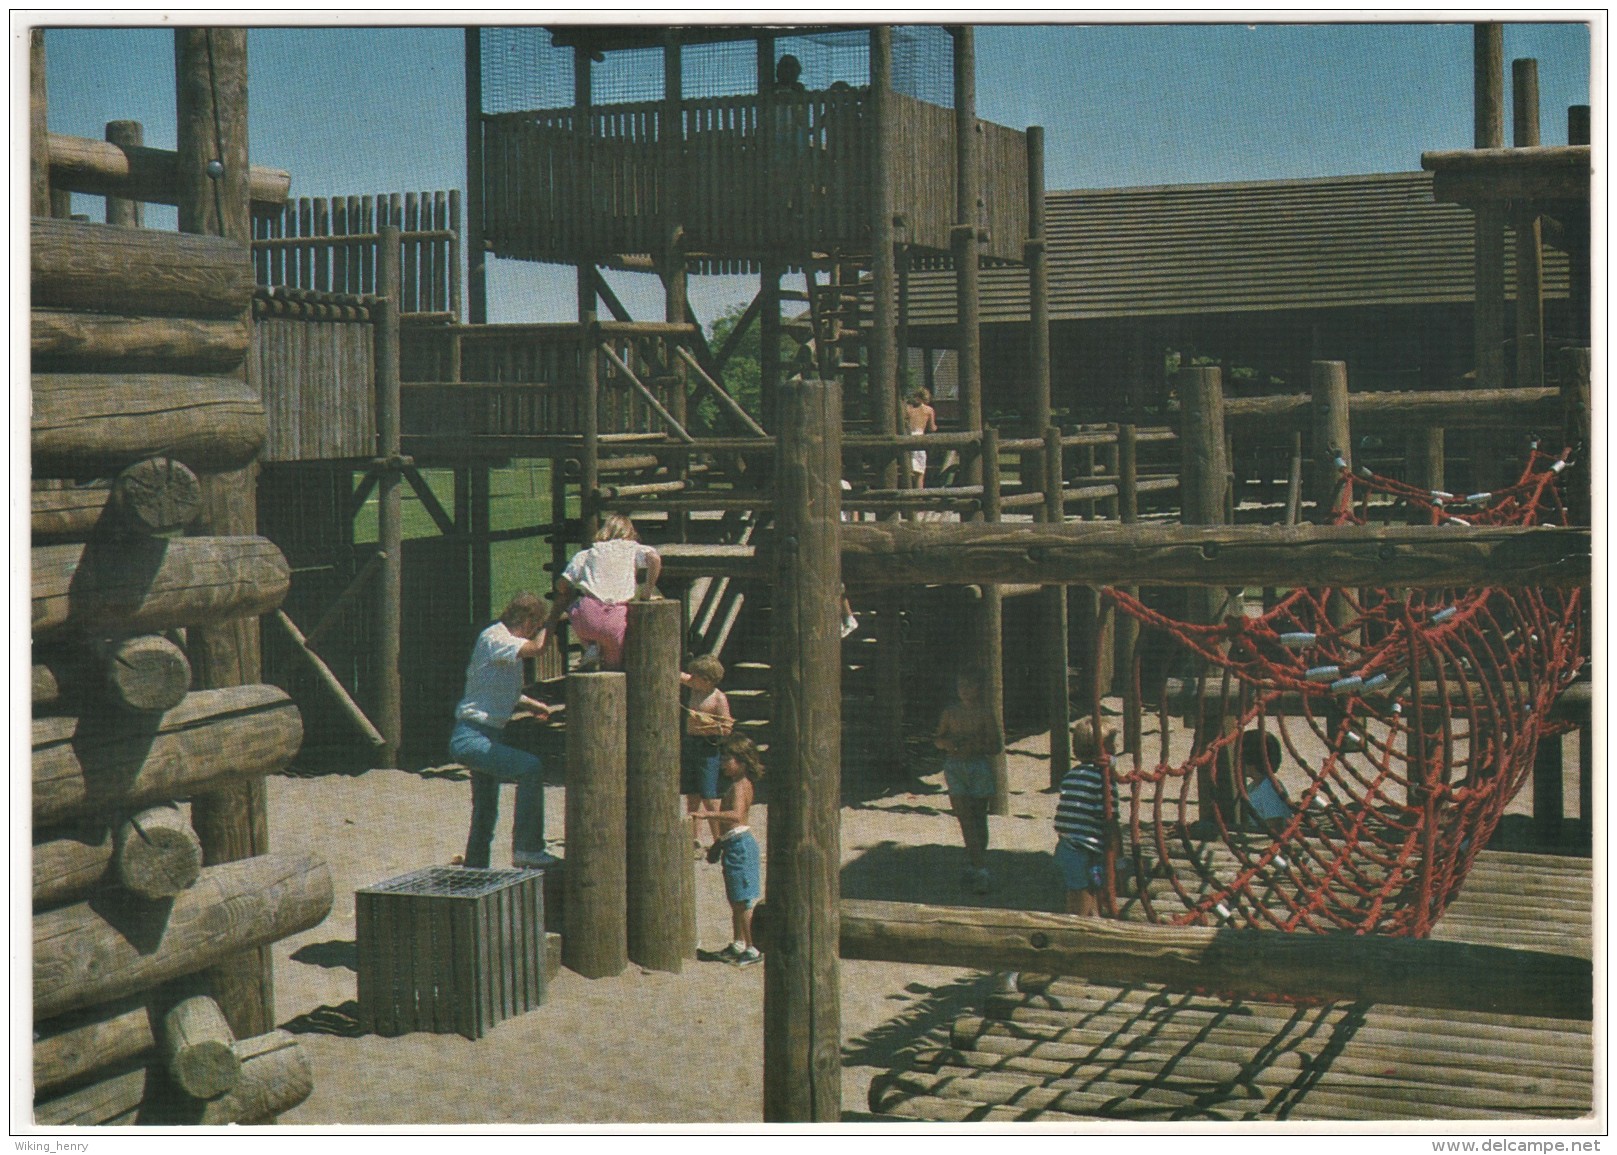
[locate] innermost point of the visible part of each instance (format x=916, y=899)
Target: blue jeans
x=480, y=749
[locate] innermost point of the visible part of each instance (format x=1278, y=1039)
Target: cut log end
x=157, y=495
x=158, y=854
x=148, y=674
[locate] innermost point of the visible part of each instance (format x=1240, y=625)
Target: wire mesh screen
x=524, y=69
x=448, y=882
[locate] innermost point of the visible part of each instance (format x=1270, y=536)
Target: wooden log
x=67, y=863
x=146, y=673
x=82, y=424
x=1412, y=972
x=802, y=998
x=123, y=135
x=72, y=1046
x=154, y=584
x=156, y=854
x=1450, y=408
x=196, y=1045
x=660, y=887
x=1332, y=437
x=275, y=1077
x=390, y=500
x=70, y=513
x=39, y=155
x=155, y=495
x=87, y=953
x=130, y=171
x=595, y=934
x=91, y=763
x=882, y=553
x=103, y=269
x=339, y=692
x=101, y=342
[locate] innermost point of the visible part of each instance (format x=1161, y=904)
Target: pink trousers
x=595, y=621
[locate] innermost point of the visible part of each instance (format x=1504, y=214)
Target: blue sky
x=365, y=110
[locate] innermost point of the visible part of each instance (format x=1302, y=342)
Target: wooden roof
x=1176, y=250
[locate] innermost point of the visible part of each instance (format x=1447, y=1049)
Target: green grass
x=519, y=496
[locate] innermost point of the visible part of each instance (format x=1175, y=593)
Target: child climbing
x=969, y=736
x=736, y=849
x=707, y=720
x=1084, y=829
x=596, y=587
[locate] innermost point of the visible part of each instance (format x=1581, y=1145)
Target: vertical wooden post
x=1038, y=283
x=125, y=134
x=1576, y=231
x=595, y=939
x=1425, y=457
x=1204, y=480
x=1576, y=402
x=39, y=155
x=389, y=496
x=1332, y=435
x=769, y=331
x=676, y=283
x=968, y=199
x=1529, y=237
x=476, y=252
x=1057, y=660
x=661, y=890
x=590, y=420
x=1128, y=628
x=889, y=662
x=883, y=345
x=482, y=560
x=210, y=98
x=802, y=997
x=1489, y=109
x=993, y=626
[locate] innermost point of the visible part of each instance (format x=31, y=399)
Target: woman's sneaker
x=749, y=956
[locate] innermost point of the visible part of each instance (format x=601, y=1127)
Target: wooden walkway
x=1054, y=1049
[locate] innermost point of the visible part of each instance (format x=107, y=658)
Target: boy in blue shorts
x=736, y=849
x=707, y=720
x=970, y=737
x=1085, y=824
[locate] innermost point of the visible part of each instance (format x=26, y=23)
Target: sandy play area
x=641, y=1047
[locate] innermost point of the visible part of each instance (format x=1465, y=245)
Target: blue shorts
x=698, y=768
x=970, y=777
x=1081, y=867
x=743, y=867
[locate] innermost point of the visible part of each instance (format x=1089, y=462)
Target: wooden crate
x=450, y=950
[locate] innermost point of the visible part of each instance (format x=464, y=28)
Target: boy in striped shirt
x=1083, y=826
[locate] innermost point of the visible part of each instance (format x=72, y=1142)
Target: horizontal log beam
x=275, y=1077
x=64, y=342
x=1477, y=175
x=137, y=173
x=84, y=424
x=69, y=863
x=73, y=1046
x=104, y=269
x=1448, y=408
x=84, y=955
x=153, y=584
x=94, y=764
x=1350, y=968
x=1091, y=553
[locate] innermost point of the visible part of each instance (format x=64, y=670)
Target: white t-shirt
x=606, y=570
x=493, y=678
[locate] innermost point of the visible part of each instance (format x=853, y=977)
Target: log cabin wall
x=128, y=411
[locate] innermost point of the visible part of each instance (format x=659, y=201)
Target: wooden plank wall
x=317, y=382
x=328, y=244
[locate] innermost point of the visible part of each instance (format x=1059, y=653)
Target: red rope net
x=1345, y=754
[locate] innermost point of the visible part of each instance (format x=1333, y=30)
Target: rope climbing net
x=1346, y=753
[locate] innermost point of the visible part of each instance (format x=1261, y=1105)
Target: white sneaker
x=849, y=625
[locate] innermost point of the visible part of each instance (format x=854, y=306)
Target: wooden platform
x=1051, y=1049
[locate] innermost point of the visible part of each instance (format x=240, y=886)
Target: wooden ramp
x=1055, y=1049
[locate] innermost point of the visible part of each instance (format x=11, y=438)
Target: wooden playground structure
x=296, y=345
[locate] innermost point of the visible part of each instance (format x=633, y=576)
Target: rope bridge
x=1350, y=751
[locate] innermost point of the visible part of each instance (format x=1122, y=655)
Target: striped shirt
x=1081, y=812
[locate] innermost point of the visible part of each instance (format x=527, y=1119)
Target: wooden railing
x=749, y=175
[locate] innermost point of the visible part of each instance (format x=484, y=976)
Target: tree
x=743, y=372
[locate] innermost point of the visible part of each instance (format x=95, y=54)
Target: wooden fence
x=329, y=245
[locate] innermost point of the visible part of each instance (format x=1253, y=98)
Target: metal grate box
x=450, y=950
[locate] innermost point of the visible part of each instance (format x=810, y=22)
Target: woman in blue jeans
x=494, y=697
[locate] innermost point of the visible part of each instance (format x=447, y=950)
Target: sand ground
x=641, y=1047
